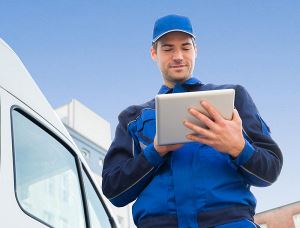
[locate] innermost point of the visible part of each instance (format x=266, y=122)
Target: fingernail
x=192, y=110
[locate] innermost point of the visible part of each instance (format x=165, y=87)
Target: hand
x=223, y=135
x=163, y=150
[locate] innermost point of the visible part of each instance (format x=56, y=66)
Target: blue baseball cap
x=172, y=23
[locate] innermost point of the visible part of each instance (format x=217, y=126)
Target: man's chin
x=180, y=78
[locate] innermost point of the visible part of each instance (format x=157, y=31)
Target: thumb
x=235, y=115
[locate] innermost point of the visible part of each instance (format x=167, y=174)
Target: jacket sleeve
x=261, y=160
x=124, y=175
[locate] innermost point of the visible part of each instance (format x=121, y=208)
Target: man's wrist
x=245, y=155
x=161, y=152
x=237, y=150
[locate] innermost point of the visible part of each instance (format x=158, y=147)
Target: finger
x=203, y=118
x=199, y=130
x=202, y=140
x=236, y=115
x=174, y=146
x=212, y=111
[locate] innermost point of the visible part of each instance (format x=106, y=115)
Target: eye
x=167, y=49
x=187, y=47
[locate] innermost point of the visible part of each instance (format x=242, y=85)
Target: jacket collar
x=190, y=82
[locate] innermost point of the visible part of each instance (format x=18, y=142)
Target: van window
x=98, y=215
x=46, y=176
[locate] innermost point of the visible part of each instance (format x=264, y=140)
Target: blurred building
x=92, y=135
x=287, y=216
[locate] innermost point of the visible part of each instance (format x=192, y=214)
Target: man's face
x=175, y=55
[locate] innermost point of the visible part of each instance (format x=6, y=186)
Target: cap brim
x=174, y=30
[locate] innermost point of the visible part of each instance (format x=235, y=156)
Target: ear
x=196, y=51
x=153, y=53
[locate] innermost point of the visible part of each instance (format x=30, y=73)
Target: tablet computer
x=172, y=110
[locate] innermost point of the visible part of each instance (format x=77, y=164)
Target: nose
x=177, y=56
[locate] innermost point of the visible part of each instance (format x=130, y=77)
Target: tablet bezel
x=172, y=110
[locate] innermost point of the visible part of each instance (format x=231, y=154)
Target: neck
x=171, y=84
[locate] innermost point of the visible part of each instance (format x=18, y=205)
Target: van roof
x=16, y=80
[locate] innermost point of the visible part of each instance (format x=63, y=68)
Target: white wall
x=86, y=122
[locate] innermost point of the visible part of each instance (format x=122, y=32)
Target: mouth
x=177, y=66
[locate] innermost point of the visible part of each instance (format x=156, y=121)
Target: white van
x=44, y=180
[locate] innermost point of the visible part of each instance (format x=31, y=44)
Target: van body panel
x=13, y=216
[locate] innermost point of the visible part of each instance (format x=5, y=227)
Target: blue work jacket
x=194, y=186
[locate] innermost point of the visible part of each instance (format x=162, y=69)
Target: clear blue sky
x=97, y=51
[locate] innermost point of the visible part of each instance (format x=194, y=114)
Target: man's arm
x=246, y=139
x=125, y=175
x=264, y=166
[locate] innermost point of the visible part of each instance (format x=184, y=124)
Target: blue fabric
x=179, y=88
x=152, y=156
x=191, y=82
x=195, y=184
x=245, y=155
x=171, y=23
x=239, y=224
x=182, y=160
x=264, y=127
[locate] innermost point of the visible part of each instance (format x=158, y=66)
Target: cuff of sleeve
x=152, y=156
x=245, y=155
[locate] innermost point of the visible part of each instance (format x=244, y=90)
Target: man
x=205, y=183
